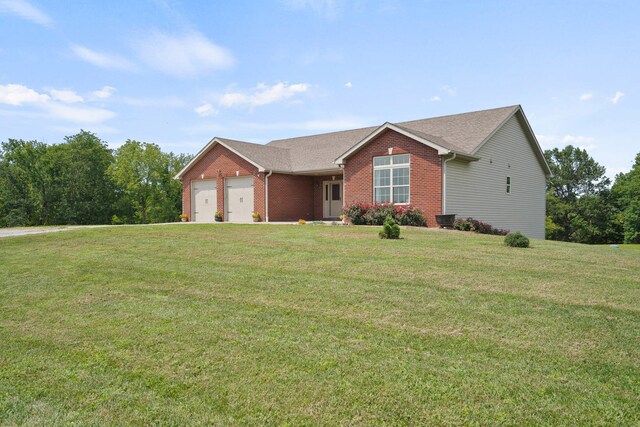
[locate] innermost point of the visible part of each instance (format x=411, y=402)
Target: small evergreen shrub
x=390, y=230
x=376, y=214
x=516, y=240
x=470, y=224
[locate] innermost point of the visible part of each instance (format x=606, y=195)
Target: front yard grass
x=243, y=325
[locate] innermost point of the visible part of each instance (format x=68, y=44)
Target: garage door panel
x=239, y=199
x=205, y=195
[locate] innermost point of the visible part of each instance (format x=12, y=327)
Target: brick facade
x=425, y=173
x=218, y=164
x=292, y=197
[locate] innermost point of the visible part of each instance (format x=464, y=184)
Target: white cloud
x=586, y=96
x=78, y=114
x=451, y=91
x=67, y=96
x=581, y=141
x=53, y=106
x=102, y=60
x=435, y=98
x=25, y=10
x=185, y=55
x=15, y=94
x=263, y=95
x=206, y=110
x=348, y=85
x=309, y=125
x=617, y=97
x=577, y=139
x=327, y=8
x=167, y=101
x=104, y=93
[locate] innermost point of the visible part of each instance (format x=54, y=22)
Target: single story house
x=484, y=164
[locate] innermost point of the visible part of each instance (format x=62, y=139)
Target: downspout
x=444, y=183
x=266, y=196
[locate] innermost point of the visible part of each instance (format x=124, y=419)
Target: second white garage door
x=239, y=198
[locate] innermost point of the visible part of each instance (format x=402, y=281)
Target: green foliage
x=579, y=205
x=516, y=239
x=470, y=224
x=626, y=196
x=376, y=214
x=390, y=230
x=81, y=181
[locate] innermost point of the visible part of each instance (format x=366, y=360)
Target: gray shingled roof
x=461, y=133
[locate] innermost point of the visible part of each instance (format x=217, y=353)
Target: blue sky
x=179, y=73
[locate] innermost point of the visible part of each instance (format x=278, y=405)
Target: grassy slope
x=230, y=324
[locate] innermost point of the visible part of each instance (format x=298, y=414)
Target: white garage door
x=239, y=198
x=205, y=200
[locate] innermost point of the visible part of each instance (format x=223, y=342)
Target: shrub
x=302, y=221
x=470, y=224
x=390, y=230
x=376, y=214
x=516, y=240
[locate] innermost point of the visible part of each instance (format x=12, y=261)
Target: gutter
x=266, y=196
x=444, y=183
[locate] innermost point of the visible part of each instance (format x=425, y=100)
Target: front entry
x=238, y=199
x=332, y=199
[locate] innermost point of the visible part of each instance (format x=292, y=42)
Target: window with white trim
x=391, y=179
x=508, y=185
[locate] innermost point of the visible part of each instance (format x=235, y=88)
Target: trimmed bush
x=516, y=240
x=376, y=214
x=470, y=224
x=390, y=230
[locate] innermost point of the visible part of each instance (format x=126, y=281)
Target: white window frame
x=391, y=167
x=508, y=184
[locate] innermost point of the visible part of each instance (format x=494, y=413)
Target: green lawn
x=314, y=325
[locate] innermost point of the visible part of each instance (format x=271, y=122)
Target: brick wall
x=425, y=173
x=291, y=197
x=217, y=164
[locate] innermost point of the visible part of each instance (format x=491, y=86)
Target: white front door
x=205, y=200
x=239, y=199
x=332, y=199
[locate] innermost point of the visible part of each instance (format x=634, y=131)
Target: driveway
x=10, y=232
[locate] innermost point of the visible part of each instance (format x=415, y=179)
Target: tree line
x=582, y=204
x=82, y=181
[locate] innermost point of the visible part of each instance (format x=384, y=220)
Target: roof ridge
x=460, y=114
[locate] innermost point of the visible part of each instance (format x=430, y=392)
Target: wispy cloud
x=26, y=10
x=16, y=94
x=586, y=96
x=54, y=106
x=103, y=93
x=435, y=98
x=617, y=97
x=185, y=55
x=449, y=90
x=581, y=141
x=324, y=8
x=263, y=94
x=320, y=125
x=206, y=110
x=66, y=96
x=102, y=60
x=348, y=85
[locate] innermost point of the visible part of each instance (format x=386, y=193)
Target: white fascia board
x=206, y=148
x=441, y=150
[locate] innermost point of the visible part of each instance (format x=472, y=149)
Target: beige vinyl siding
x=479, y=189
